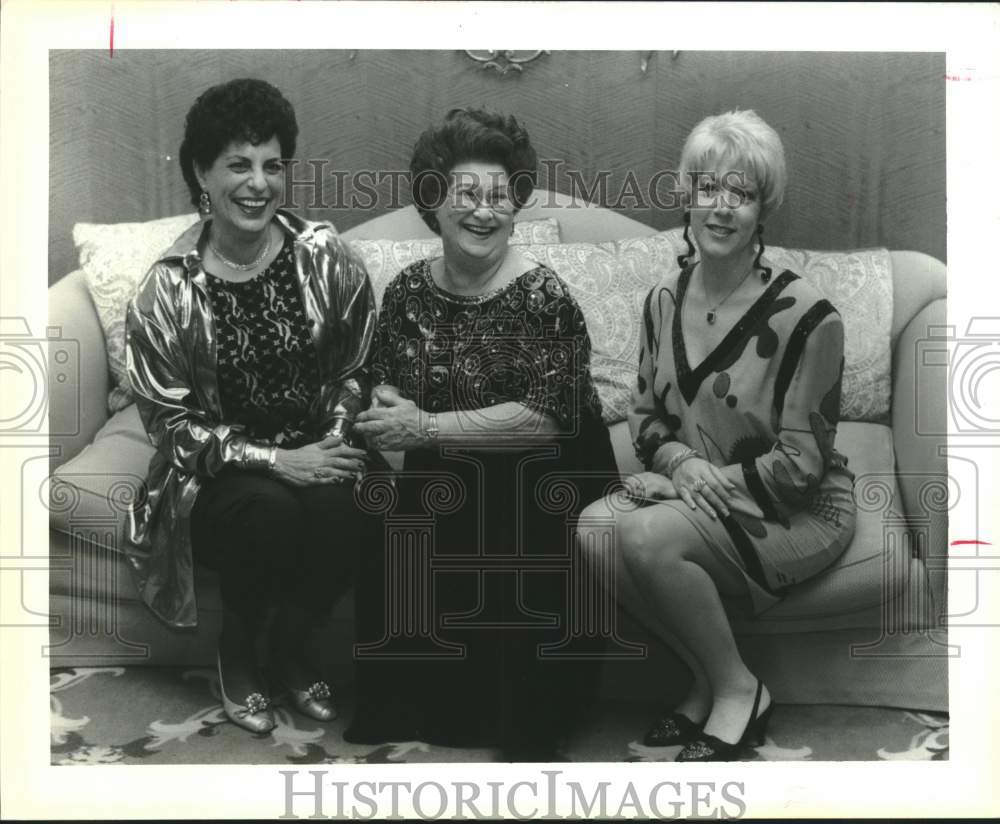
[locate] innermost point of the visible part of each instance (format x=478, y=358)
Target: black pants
x=274, y=543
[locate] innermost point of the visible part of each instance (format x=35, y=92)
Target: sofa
x=867, y=631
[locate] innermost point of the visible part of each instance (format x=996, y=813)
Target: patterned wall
x=864, y=133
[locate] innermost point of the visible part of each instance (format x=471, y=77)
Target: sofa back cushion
x=116, y=256
x=610, y=281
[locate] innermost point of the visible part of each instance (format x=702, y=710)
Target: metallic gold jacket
x=171, y=360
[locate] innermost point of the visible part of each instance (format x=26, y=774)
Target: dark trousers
x=273, y=543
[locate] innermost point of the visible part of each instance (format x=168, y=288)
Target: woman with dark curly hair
x=482, y=357
x=245, y=343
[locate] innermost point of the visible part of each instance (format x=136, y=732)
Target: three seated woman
x=251, y=336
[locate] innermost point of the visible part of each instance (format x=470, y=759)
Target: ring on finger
x=700, y=484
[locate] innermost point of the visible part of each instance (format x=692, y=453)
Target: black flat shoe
x=709, y=748
x=672, y=729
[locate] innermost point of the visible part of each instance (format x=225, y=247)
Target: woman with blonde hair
x=734, y=415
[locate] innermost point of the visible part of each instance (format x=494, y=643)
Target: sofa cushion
x=876, y=567
x=857, y=283
x=866, y=575
x=90, y=494
x=610, y=281
x=115, y=257
x=384, y=259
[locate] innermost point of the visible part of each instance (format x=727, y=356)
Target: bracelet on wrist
x=431, y=429
x=272, y=456
x=679, y=458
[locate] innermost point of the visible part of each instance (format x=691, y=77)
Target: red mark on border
x=965, y=543
x=111, y=41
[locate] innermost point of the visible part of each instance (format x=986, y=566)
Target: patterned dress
x=763, y=405
x=498, y=581
x=268, y=369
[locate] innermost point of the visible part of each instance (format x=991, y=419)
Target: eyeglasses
x=466, y=200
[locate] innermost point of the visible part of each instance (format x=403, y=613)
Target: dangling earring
x=682, y=260
x=765, y=274
x=205, y=204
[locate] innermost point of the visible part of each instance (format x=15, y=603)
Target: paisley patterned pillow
x=384, y=259
x=610, y=281
x=116, y=256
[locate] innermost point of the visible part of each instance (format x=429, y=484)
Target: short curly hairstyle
x=465, y=136
x=738, y=138
x=243, y=110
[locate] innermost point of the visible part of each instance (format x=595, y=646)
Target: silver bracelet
x=679, y=458
x=431, y=430
x=272, y=456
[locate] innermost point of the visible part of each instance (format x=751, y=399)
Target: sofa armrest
x=917, y=279
x=919, y=424
x=78, y=395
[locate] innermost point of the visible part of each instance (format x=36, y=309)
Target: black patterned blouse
x=268, y=371
x=525, y=342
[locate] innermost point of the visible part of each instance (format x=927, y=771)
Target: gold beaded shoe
x=254, y=715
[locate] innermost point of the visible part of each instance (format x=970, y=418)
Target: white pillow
x=116, y=256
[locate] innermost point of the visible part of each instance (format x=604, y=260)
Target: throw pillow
x=384, y=259
x=611, y=280
x=116, y=256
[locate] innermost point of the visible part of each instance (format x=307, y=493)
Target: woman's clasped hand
x=393, y=423
x=327, y=461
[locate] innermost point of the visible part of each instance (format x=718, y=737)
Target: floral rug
x=172, y=715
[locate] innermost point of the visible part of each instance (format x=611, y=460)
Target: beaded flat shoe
x=709, y=748
x=672, y=728
x=254, y=714
x=315, y=702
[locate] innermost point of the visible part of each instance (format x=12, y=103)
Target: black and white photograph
x=407, y=429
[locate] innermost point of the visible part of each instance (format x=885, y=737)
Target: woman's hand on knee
x=701, y=485
x=330, y=461
x=650, y=485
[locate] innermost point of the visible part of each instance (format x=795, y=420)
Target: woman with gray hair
x=734, y=415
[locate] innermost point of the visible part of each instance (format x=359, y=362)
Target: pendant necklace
x=712, y=313
x=243, y=267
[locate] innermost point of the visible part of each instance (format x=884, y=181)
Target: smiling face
x=725, y=213
x=476, y=218
x=246, y=184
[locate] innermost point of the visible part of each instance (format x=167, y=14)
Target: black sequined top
x=525, y=342
x=268, y=371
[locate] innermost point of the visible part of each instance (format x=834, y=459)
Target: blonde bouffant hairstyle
x=737, y=140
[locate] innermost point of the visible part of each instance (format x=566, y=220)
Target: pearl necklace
x=243, y=267
x=712, y=313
